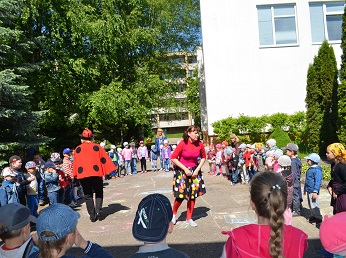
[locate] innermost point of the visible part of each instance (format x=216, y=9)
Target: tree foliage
x=342, y=86
x=18, y=124
x=255, y=129
x=88, y=48
x=321, y=100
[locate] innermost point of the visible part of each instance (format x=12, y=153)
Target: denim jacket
x=52, y=181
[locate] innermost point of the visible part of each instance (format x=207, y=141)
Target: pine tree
x=321, y=100
x=17, y=122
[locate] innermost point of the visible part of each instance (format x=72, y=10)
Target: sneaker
x=191, y=223
x=174, y=220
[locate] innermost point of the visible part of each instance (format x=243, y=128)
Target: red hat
x=87, y=134
x=225, y=143
x=141, y=142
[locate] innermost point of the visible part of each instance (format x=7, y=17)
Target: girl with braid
x=270, y=237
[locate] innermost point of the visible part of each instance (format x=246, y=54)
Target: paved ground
x=223, y=207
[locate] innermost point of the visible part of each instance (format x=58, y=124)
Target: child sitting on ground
x=152, y=223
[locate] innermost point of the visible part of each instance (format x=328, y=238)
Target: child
x=57, y=232
x=241, y=165
x=32, y=188
x=16, y=164
x=142, y=153
x=127, y=154
x=291, y=151
x=285, y=170
x=133, y=158
x=67, y=167
x=248, y=160
x=232, y=160
x=269, y=162
x=166, y=155
x=153, y=158
x=270, y=237
x=42, y=193
x=211, y=158
x=15, y=222
x=336, y=152
x=276, y=155
x=52, y=182
x=120, y=162
x=333, y=234
x=218, y=159
x=313, y=182
x=151, y=225
x=10, y=189
x=114, y=157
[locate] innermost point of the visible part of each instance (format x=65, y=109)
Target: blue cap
x=66, y=151
x=314, y=157
x=49, y=164
x=152, y=220
x=58, y=219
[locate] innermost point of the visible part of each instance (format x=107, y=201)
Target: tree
x=321, y=100
x=18, y=124
x=90, y=46
x=342, y=86
x=192, y=98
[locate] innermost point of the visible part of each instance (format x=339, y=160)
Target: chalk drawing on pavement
x=160, y=191
x=244, y=218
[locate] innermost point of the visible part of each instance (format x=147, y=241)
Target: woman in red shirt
x=188, y=181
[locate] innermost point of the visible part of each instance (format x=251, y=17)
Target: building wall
x=241, y=77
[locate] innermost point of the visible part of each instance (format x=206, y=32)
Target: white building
x=256, y=53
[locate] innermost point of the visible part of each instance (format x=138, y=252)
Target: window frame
x=325, y=14
x=275, y=45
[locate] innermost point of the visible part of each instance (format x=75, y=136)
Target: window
x=326, y=21
x=192, y=59
x=277, y=25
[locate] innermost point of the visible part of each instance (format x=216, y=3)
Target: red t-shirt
x=185, y=153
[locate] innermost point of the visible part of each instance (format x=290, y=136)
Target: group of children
x=243, y=163
x=51, y=181
x=126, y=159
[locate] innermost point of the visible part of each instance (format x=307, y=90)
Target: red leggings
x=190, y=207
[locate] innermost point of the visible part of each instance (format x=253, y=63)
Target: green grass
x=175, y=135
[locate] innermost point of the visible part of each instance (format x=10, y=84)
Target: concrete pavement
x=223, y=207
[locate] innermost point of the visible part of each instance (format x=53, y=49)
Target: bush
x=281, y=137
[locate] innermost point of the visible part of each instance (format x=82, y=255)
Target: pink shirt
x=127, y=153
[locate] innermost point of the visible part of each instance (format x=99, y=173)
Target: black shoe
x=312, y=219
x=94, y=219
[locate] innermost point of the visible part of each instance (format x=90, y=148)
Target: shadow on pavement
x=111, y=209
x=199, y=212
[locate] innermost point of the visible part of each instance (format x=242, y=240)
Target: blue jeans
x=32, y=204
x=167, y=164
x=128, y=167
x=53, y=197
x=134, y=165
x=235, y=176
x=41, y=188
